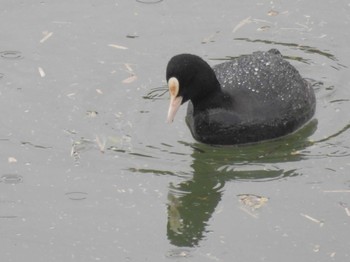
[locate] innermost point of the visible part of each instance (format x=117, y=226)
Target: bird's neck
x=215, y=99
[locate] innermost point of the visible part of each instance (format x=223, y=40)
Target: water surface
x=90, y=171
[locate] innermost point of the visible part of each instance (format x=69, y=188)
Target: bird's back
x=268, y=96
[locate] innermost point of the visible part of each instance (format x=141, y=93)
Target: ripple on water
x=11, y=55
x=11, y=179
x=156, y=93
x=8, y=217
x=76, y=195
x=149, y=1
x=256, y=172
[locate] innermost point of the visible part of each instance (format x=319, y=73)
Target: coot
x=249, y=99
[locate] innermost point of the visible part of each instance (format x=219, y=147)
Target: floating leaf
x=346, y=209
x=272, y=13
x=118, y=46
x=264, y=28
x=129, y=79
x=242, y=23
x=41, y=72
x=101, y=144
x=91, y=113
x=320, y=222
x=253, y=201
x=12, y=160
x=47, y=36
x=128, y=67
x=209, y=38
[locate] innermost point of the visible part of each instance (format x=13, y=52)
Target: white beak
x=175, y=100
x=175, y=103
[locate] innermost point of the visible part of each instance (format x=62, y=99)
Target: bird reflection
x=190, y=210
x=191, y=203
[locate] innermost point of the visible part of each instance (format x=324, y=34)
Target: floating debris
x=118, y=46
x=35, y=145
x=80, y=146
x=12, y=160
x=129, y=68
x=47, y=36
x=99, y=91
x=129, y=80
x=132, y=76
x=264, y=28
x=180, y=252
x=252, y=201
x=346, y=208
x=210, y=38
x=337, y=191
x=91, y=113
x=71, y=95
x=70, y=132
x=316, y=248
x=320, y=222
x=101, y=144
x=272, y=13
x=242, y=23
x=41, y=72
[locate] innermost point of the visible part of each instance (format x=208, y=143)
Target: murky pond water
x=90, y=171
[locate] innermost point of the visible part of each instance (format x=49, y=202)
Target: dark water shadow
x=193, y=201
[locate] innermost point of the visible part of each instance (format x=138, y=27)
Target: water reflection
x=191, y=205
x=192, y=202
